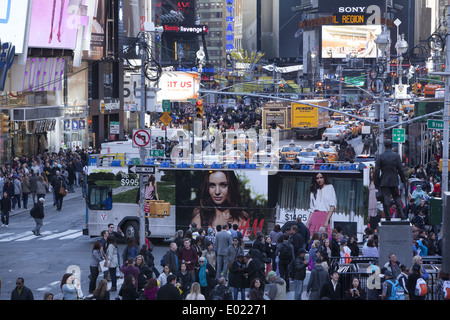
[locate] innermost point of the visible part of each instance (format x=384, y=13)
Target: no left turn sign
x=141, y=138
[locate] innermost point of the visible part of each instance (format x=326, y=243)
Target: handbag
x=62, y=191
x=103, y=266
x=379, y=196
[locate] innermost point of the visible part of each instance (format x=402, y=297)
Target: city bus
x=258, y=198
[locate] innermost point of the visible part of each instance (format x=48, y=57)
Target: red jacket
x=188, y=255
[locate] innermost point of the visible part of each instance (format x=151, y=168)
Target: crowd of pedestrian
x=203, y=264
x=26, y=180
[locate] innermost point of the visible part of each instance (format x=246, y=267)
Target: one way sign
x=136, y=169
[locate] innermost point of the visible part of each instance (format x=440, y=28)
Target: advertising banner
x=54, y=24
x=253, y=200
x=133, y=17
x=13, y=20
x=210, y=198
x=178, y=86
x=300, y=195
x=97, y=34
x=350, y=6
x=357, y=41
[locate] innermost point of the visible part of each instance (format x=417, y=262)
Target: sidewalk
x=48, y=201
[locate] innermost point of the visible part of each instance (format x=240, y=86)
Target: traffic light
x=199, y=109
x=414, y=88
x=419, y=88
x=5, y=124
x=282, y=87
x=319, y=87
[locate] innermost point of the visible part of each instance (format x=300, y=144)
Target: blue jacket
x=422, y=250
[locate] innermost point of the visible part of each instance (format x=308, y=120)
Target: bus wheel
x=131, y=229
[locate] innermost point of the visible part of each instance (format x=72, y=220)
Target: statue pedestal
x=395, y=237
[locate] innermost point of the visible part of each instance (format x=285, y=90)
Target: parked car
x=333, y=134
x=264, y=157
x=309, y=156
x=345, y=130
x=365, y=158
x=318, y=144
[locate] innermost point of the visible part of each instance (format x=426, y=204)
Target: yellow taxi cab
x=338, y=118
x=290, y=152
x=352, y=129
x=245, y=145
x=330, y=151
x=356, y=126
x=360, y=124
x=234, y=156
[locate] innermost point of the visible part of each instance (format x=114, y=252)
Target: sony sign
x=371, y=9
x=349, y=6
x=351, y=9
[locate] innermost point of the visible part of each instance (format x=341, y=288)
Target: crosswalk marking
x=57, y=235
x=15, y=236
x=45, y=235
x=77, y=234
x=32, y=236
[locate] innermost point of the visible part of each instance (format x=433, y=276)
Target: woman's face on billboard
x=320, y=180
x=218, y=187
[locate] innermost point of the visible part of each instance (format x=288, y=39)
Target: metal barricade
x=359, y=267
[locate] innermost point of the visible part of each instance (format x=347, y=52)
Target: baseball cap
x=270, y=275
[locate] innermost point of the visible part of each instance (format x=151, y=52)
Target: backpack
x=239, y=236
x=397, y=292
x=366, y=142
x=162, y=263
x=285, y=252
x=220, y=293
x=421, y=288
x=217, y=294
x=446, y=289
x=33, y=211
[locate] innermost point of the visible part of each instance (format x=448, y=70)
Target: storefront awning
x=31, y=113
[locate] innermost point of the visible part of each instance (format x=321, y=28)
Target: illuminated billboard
x=13, y=19
x=357, y=41
x=351, y=6
x=54, y=24
x=133, y=17
x=97, y=34
x=178, y=86
x=242, y=199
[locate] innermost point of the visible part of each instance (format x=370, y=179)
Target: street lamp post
x=402, y=47
x=383, y=42
x=313, y=59
x=149, y=28
x=445, y=147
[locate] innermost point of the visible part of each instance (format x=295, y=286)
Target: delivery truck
x=309, y=121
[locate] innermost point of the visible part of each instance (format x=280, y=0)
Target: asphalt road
x=42, y=261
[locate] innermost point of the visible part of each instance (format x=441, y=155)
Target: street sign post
x=398, y=135
x=114, y=127
x=435, y=124
x=189, y=109
x=141, y=169
x=156, y=153
x=141, y=138
x=166, y=105
x=166, y=118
